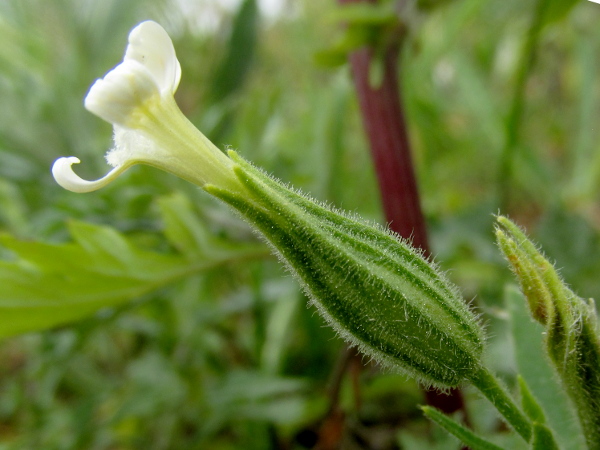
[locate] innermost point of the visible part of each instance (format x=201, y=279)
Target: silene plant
x=379, y=293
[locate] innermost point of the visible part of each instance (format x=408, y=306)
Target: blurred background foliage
x=220, y=350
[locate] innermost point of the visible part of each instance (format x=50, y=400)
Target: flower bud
x=375, y=290
x=572, y=334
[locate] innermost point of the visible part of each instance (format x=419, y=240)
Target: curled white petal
x=136, y=97
x=151, y=46
x=65, y=177
x=114, y=97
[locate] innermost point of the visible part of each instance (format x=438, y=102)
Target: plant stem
x=493, y=390
x=386, y=128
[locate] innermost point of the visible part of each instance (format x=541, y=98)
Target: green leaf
x=191, y=237
x=556, y=10
x=529, y=403
x=533, y=366
x=365, y=24
x=12, y=208
x=543, y=439
x=465, y=435
x=571, y=335
x=493, y=389
x=353, y=37
x=45, y=285
x=233, y=70
x=256, y=396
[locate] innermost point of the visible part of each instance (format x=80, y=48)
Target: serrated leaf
x=52, y=284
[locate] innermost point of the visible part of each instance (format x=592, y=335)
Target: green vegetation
x=174, y=327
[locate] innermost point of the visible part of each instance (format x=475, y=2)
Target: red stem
x=386, y=129
x=385, y=125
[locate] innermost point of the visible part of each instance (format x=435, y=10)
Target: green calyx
x=375, y=290
x=572, y=332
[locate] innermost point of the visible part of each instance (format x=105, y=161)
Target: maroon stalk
x=385, y=125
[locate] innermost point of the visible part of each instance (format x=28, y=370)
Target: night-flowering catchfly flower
x=378, y=292
x=136, y=97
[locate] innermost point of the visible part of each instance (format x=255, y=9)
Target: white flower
x=150, y=67
x=137, y=98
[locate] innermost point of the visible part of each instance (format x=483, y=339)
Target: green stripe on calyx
x=371, y=287
x=420, y=270
x=374, y=235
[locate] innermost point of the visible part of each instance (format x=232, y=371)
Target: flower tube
x=136, y=97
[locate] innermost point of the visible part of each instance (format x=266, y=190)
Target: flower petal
x=114, y=97
x=65, y=177
x=150, y=45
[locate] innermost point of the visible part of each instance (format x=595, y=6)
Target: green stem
x=515, y=114
x=493, y=390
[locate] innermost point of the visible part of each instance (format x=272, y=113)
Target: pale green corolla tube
x=375, y=290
